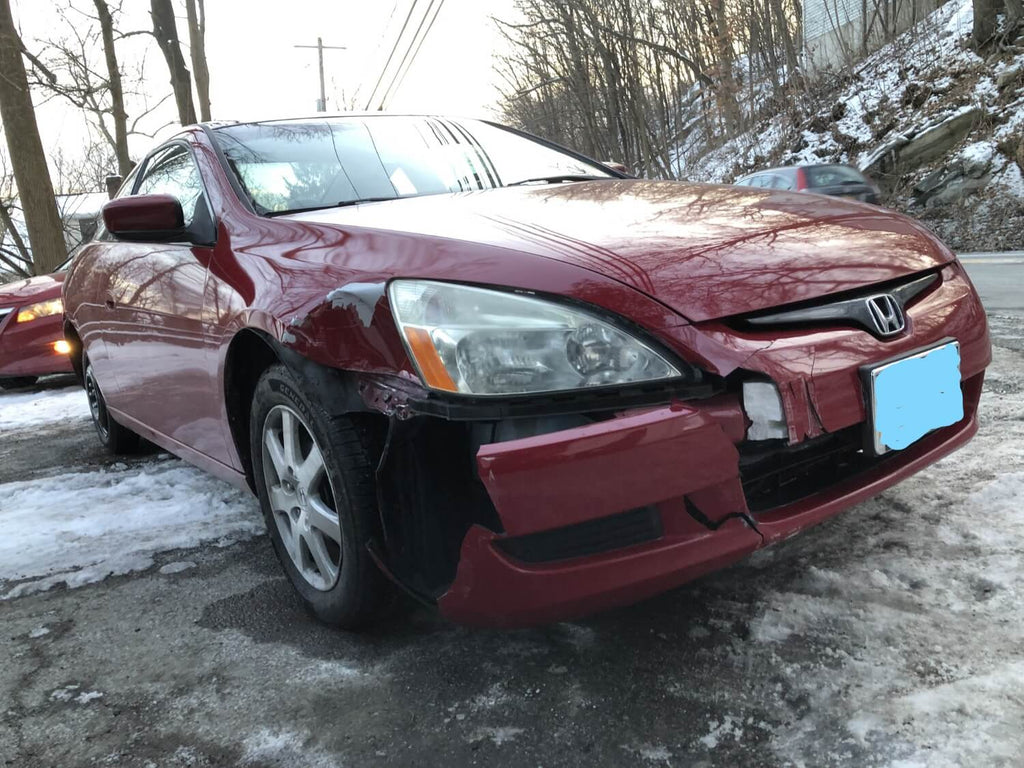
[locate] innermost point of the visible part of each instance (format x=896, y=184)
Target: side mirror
x=155, y=218
x=616, y=166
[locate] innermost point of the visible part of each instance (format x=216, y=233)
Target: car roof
x=777, y=168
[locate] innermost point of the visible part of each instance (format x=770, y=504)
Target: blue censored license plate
x=914, y=395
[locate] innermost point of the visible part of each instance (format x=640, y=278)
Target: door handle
x=110, y=303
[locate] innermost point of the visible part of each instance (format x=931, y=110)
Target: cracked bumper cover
x=661, y=457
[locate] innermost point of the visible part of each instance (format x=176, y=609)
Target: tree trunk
x=117, y=110
x=985, y=21
x=1014, y=14
x=197, y=49
x=782, y=24
x=31, y=175
x=166, y=34
x=726, y=81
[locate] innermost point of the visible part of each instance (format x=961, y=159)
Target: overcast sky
x=256, y=72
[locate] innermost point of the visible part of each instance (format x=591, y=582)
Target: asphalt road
x=999, y=278
x=805, y=654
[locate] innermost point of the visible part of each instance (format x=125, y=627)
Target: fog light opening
x=763, y=405
x=62, y=347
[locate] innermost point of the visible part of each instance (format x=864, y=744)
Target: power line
x=400, y=75
x=391, y=55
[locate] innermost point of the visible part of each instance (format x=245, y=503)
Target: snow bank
x=917, y=632
x=31, y=409
x=81, y=527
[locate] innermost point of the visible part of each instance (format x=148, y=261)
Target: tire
x=316, y=487
x=19, y=382
x=115, y=438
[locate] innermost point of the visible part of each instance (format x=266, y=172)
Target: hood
x=704, y=251
x=31, y=289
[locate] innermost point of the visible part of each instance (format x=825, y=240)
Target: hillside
x=937, y=126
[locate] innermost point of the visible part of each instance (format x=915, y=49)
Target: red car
x=32, y=331
x=518, y=385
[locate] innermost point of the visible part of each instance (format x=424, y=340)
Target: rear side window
x=783, y=181
x=832, y=175
x=173, y=172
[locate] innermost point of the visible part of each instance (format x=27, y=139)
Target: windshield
x=290, y=166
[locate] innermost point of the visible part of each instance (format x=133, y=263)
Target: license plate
x=914, y=395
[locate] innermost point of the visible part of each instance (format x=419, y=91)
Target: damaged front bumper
x=674, y=459
x=613, y=512
x=517, y=513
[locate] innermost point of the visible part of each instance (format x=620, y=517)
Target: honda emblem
x=887, y=314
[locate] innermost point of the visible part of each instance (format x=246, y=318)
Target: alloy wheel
x=302, y=499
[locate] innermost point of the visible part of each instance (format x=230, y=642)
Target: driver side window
x=173, y=172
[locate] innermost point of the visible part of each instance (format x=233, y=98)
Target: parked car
x=835, y=180
x=32, y=340
x=453, y=357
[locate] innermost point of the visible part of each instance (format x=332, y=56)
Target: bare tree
x=28, y=162
x=114, y=88
x=195, y=12
x=165, y=31
x=80, y=64
x=629, y=79
x=85, y=170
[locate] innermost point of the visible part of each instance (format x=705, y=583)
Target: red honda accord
x=518, y=385
x=31, y=331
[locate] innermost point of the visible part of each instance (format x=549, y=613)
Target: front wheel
x=117, y=439
x=316, y=488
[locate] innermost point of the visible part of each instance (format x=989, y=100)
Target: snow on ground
x=915, y=606
x=31, y=409
x=80, y=527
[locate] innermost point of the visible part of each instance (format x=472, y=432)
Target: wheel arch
x=77, y=356
x=252, y=351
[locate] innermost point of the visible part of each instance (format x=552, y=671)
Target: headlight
x=482, y=342
x=42, y=309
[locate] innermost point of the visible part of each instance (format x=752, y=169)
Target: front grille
x=776, y=474
x=626, y=529
x=849, y=308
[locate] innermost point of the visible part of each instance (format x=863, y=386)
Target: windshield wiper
x=342, y=204
x=558, y=179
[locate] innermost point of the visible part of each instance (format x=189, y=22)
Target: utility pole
x=321, y=104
